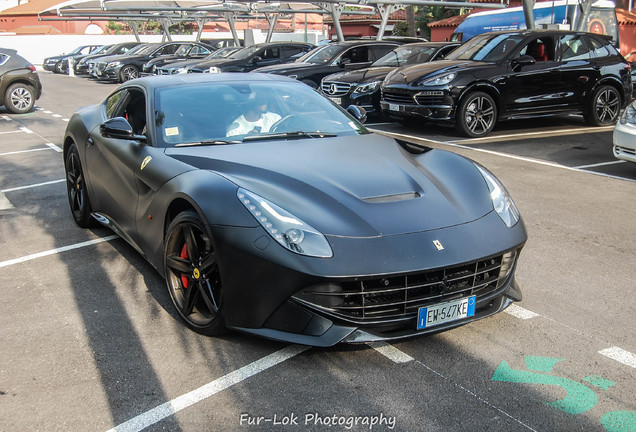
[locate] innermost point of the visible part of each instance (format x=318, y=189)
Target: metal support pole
x=165, y=24
x=585, y=5
x=385, y=12
x=336, y=10
x=135, y=30
x=230, y=20
x=272, y=18
x=200, y=23
x=528, y=5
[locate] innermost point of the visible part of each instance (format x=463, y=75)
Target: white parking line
x=620, y=355
x=521, y=313
x=54, y=147
x=24, y=151
x=167, y=409
x=11, y=132
x=33, y=185
x=525, y=135
x=391, y=352
x=7, y=118
x=601, y=164
x=5, y=204
x=26, y=130
x=56, y=251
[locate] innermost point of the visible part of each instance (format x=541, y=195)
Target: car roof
x=364, y=42
x=8, y=51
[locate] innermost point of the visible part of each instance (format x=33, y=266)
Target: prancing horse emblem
x=438, y=244
x=145, y=161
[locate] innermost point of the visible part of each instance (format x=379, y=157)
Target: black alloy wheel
x=59, y=67
x=19, y=99
x=476, y=115
x=76, y=189
x=605, y=107
x=192, y=274
x=129, y=72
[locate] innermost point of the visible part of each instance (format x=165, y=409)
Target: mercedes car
x=271, y=211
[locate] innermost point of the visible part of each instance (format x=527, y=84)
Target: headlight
x=440, y=79
x=181, y=70
x=286, y=229
x=629, y=116
x=113, y=64
x=368, y=87
x=214, y=69
x=501, y=201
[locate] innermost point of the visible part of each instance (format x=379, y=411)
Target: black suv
x=331, y=58
x=126, y=67
x=20, y=84
x=253, y=57
x=362, y=87
x=515, y=74
x=194, y=50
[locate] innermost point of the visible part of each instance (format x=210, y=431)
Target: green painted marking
x=578, y=399
x=619, y=421
x=541, y=364
x=600, y=382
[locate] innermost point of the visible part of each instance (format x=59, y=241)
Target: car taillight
x=32, y=68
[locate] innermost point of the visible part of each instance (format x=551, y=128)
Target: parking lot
x=91, y=341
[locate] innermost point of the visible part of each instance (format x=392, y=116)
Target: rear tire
x=20, y=98
x=476, y=115
x=605, y=106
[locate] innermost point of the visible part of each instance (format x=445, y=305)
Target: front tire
x=19, y=98
x=476, y=115
x=128, y=72
x=605, y=107
x=192, y=274
x=76, y=189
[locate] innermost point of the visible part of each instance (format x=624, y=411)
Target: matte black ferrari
x=272, y=211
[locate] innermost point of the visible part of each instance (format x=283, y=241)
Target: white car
x=625, y=135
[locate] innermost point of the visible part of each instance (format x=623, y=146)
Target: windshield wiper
x=207, y=143
x=289, y=135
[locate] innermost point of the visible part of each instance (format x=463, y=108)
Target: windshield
x=244, y=53
x=322, y=55
x=147, y=49
x=231, y=112
x=405, y=55
x=102, y=49
x=486, y=47
x=137, y=48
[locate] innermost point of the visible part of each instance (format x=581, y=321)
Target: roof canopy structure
x=200, y=11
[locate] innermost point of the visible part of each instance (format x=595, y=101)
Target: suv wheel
x=19, y=98
x=476, y=115
x=605, y=107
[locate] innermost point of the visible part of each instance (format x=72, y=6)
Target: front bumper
x=433, y=104
x=625, y=142
x=273, y=298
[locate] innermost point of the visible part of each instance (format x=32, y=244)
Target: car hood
x=288, y=67
x=361, y=75
x=411, y=75
x=352, y=186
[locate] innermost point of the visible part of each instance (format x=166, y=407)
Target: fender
x=486, y=87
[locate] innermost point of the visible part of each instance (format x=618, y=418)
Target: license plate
x=394, y=107
x=445, y=312
x=336, y=100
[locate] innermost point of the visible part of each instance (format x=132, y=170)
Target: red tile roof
x=453, y=21
x=625, y=17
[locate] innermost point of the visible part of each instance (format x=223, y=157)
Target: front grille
x=101, y=66
x=430, y=98
x=624, y=150
x=391, y=298
x=335, y=89
x=398, y=98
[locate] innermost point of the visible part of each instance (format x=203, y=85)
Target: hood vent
x=392, y=198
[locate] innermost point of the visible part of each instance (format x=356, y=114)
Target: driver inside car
x=256, y=119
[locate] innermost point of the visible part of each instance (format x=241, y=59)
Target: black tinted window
x=574, y=47
x=601, y=50
x=357, y=55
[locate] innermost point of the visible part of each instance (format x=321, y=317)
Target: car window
x=541, y=49
x=487, y=47
x=201, y=112
x=131, y=105
x=442, y=53
x=270, y=53
x=322, y=55
x=574, y=47
x=4, y=58
x=405, y=55
x=168, y=49
x=199, y=50
x=601, y=50
x=356, y=55
x=293, y=51
x=112, y=103
x=378, y=51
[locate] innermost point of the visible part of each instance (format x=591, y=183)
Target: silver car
x=625, y=135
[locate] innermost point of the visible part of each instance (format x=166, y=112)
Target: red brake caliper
x=184, y=278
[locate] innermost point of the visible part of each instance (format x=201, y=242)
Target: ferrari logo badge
x=438, y=245
x=145, y=161
x=196, y=273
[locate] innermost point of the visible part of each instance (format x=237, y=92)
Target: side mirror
x=358, y=113
x=119, y=128
x=524, y=60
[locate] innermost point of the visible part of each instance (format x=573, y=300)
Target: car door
x=579, y=69
x=111, y=162
x=532, y=88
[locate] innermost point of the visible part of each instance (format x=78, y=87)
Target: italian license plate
x=336, y=100
x=394, y=107
x=445, y=312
